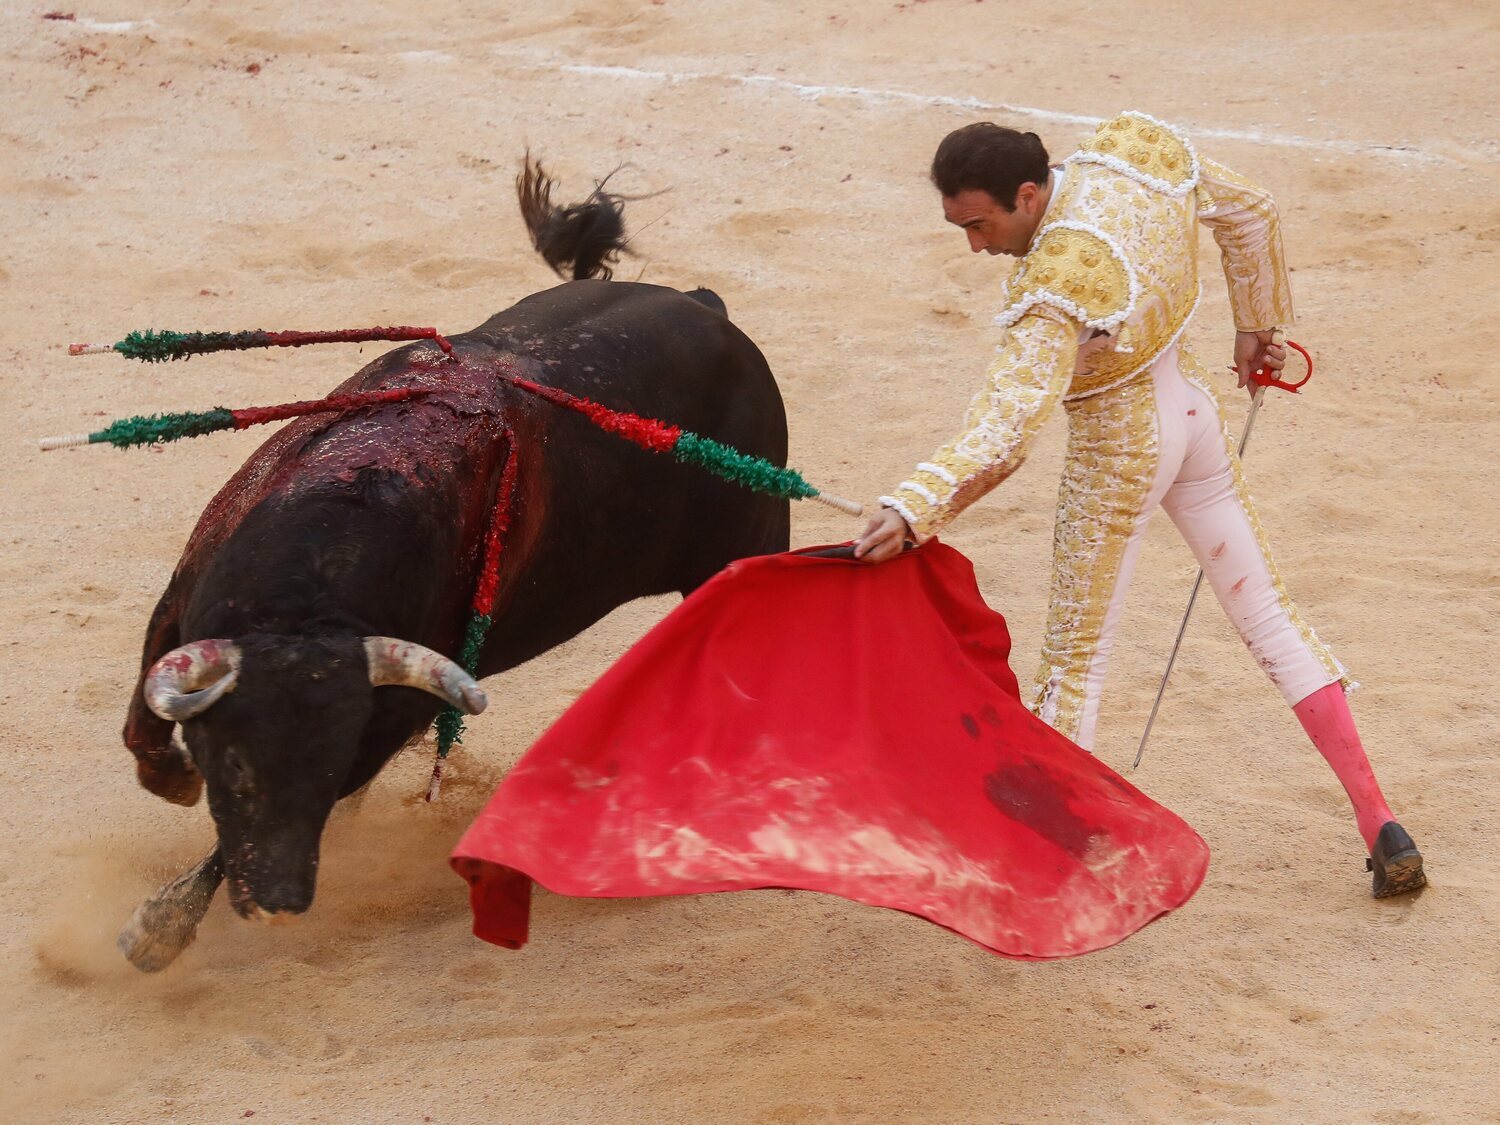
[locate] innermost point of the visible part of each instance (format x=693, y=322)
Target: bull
x=300, y=641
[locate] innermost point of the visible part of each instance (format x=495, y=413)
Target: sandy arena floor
x=241, y=164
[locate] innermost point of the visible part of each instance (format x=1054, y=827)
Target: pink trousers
x=1160, y=442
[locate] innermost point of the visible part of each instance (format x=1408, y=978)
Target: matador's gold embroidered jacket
x=1113, y=267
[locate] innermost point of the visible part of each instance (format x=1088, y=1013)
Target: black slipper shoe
x=1396, y=862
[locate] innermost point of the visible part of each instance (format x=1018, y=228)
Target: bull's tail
x=588, y=236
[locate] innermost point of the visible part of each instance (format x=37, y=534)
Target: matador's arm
x=1026, y=380
x=1247, y=228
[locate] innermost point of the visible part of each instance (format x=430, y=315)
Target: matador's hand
x=1254, y=351
x=884, y=536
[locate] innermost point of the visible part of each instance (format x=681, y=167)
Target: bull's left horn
x=191, y=679
x=405, y=664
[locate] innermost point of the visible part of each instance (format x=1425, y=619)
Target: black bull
x=370, y=525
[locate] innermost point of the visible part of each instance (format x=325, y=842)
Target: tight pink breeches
x=1165, y=443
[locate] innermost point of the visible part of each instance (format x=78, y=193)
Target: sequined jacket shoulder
x=1140, y=183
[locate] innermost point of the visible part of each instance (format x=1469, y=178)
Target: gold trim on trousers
x=1159, y=441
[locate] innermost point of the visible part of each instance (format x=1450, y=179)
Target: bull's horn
x=410, y=665
x=191, y=679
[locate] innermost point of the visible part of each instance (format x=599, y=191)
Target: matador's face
x=991, y=226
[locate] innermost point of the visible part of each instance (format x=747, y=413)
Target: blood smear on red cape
x=822, y=724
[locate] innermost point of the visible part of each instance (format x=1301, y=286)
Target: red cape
x=827, y=725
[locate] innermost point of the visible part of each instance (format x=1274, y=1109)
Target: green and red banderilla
x=157, y=429
x=754, y=473
x=159, y=347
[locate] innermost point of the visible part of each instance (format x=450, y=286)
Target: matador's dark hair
x=989, y=157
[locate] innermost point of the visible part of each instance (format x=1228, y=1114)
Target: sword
x=1262, y=380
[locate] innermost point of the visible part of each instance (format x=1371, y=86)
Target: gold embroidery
x=1152, y=149
x=1157, y=232
x=1110, y=467
x=1080, y=267
x=1023, y=384
x=1246, y=226
x=1107, y=477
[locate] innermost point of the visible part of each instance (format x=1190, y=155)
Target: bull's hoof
x=153, y=938
x=167, y=922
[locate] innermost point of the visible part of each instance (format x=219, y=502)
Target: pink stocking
x=1325, y=717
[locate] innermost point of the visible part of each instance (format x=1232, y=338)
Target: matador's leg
x=1113, y=478
x=1210, y=504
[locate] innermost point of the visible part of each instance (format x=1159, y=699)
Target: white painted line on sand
x=117, y=28
x=873, y=95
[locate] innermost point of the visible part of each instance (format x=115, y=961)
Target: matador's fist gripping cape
x=821, y=724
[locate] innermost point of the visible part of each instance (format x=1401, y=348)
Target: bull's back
x=599, y=520
x=651, y=350
x=641, y=348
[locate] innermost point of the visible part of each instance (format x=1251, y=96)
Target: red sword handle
x=1267, y=379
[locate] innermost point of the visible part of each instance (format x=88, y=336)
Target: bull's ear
x=191, y=679
x=404, y=664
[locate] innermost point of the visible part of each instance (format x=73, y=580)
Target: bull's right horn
x=191, y=679
x=405, y=664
